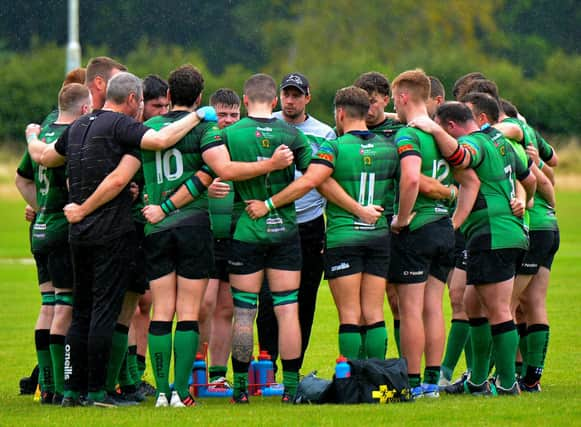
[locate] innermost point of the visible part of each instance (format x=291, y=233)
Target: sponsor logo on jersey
x=325, y=156
x=404, y=148
x=266, y=129
x=342, y=266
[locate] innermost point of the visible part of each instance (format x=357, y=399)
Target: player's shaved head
x=260, y=88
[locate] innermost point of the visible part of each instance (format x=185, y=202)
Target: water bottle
x=342, y=368
x=252, y=372
x=200, y=375
x=265, y=367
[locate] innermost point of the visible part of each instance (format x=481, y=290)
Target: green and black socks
x=290, y=375
x=537, y=344
x=481, y=339
x=57, y=354
x=376, y=340
x=457, y=339
x=505, y=343
x=160, y=346
x=185, y=346
x=118, y=350
x=46, y=376
x=350, y=341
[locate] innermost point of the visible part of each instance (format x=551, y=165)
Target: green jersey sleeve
x=25, y=167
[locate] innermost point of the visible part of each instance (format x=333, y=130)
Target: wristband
x=31, y=137
x=541, y=164
x=269, y=205
x=168, y=207
x=195, y=186
x=452, y=194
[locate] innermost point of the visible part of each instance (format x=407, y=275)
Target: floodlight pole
x=73, y=46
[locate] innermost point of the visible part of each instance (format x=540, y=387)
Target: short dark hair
x=436, y=88
x=484, y=86
x=454, y=111
x=102, y=66
x=509, y=108
x=354, y=100
x=260, y=88
x=483, y=103
x=154, y=87
x=373, y=81
x=460, y=85
x=225, y=96
x=185, y=85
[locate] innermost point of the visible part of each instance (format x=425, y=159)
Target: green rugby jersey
x=221, y=211
x=164, y=171
x=388, y=129
x=412, y=141
x=364, y=164
x=51, y=226
x=491, y=224
x=542, y=215
x=252, y=139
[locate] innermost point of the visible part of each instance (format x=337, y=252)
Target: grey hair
x=121, y=85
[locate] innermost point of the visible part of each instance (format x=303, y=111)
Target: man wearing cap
x=295, y=94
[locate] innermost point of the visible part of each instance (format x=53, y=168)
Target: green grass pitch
x=558, y=404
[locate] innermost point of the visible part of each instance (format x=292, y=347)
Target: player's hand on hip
x=74, y=213
x=218, y=189
x=370, y=214
x=256, y=209
x=282, y=157
x=153, y=213
x=518, y=207
x=32, y=129
x=29, y=213
x=398, y=223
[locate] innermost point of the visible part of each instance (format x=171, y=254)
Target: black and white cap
x=296, y=80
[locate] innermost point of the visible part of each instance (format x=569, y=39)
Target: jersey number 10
x=164, y=166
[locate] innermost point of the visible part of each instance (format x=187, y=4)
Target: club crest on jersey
x=265, y=143
x=367, y=160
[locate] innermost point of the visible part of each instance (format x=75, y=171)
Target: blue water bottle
x=342, y=368
x=265, y=367
x=252, y=374
x=200, y=375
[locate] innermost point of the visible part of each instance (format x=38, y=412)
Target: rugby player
x=357, y=246
x=49, y=241
x=495, y=239
x=295, y=95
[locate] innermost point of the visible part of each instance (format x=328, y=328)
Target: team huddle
x=146, y=207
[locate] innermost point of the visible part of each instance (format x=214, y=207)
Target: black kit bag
x=372, y=381
x=313, y=389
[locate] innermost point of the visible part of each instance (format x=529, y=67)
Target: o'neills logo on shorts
x=235, y=263
x=342, y=266
x=68, y=371
x=413, y=273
